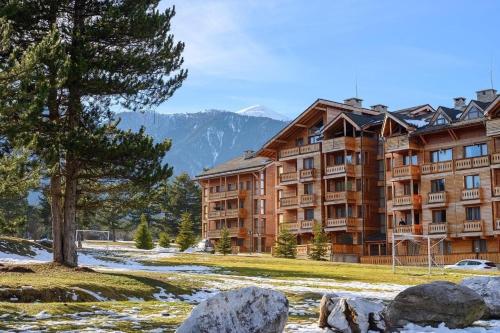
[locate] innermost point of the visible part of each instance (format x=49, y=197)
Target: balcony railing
x=497, y=224
x=306, y=199
x=341, y=143
x=437, y=167
x=495, y=158
x=493, y=127
x=233, y=232
x=306, y=224
x=341, y=223
x=400, y=142
x=289, y=152
x=228, y=213
x=414, y=199
x=341, y=168
x=226, y=195
x=299, y=150
x=216, y=195
x=288, y=201
x=438, y=228
x=288, y=176
x=496, y=191
x=415, y=229
x=405, y=171
x=310, y=148
x=292, y=226
x=475, y=162
x=471, y=194
x=307, y=173
x=473, y=226
x=438, y=197
x=340, y=196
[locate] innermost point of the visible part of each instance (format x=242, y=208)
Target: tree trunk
x=57, y=218
x=70, y=197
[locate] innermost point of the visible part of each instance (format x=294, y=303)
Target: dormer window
x=473, y=113
x=441, y=121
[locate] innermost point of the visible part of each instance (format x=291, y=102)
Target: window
x=314, y=133
x=473, y=213
x=472, y=181
x=308, y=214
x=338, y=159
x=299, y=142
x=308, y=163
x=437, y=185
x=339, y=186
x=231, y=187
x=441, y=120
x=340, y=212
x=441, y=155
x=410, y=160
x=360, y=211
x=262, y=183
x=358, y=184
x=348, y=159
x=480, y=149
x=479, y=245
x=262, y=206
x=358, y=158
x=308, y=188
x=439, y=216
x=473, y=113
x=406, y=189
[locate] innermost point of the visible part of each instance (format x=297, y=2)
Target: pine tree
x=142, y=237
x=183, y=195
x=286, y=245
x=185, y=238
x=319, y=248
x=164, y=240
x=224, y=244
x=67, y=64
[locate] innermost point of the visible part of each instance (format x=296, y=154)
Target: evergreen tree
x=183, y=195
x=186, y=237
x=164, y=240
x=224, y=244
x=319, y=247
x=143, y=238
x=286, y=245
x=64, y=66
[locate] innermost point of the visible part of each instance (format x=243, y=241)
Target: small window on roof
x=473, y=113
x=441, y=120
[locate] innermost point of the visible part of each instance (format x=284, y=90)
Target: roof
x=482, y=105
x=236, y=165
x=454, y=114
x=364, y=120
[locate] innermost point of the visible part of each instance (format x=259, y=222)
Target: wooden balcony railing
x=233, y=232
x=289, y=152
x=306, y=199
x=292, y=226
x=471, y=194
x=473, y=226
x=406, y=171
x=496, y=191
x=341, y=143
x=414, y=199
x=400, y=142
x=216, y=213
x=342, y=223
x=497, y=224
x=437, y=167
x=288, y=176
x=438, y=228
x=341, y=168
x=307, y=173
x=228, y=213
x=495, y=158
x=475, y=162
x=415, y=229
x=216, y=195
x=226, y=195
x=300, y=150
x=437, y=197
x=288, y=201
x=493, y=127
x=306, y=224
x=340, y=196
x=310, y=148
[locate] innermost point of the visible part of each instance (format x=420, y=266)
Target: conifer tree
x=319, y=248
x=286, y=245
x=164, y=240
x=185, y=238
x=183, y=195
x=64, y=66
x=224, y=244
x=142, y=237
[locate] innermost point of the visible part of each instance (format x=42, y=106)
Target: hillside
x=204, y=139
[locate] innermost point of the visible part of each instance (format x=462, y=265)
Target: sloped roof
x=364, y=120
x=482, y=105
x=454, y=114
x=236, y=165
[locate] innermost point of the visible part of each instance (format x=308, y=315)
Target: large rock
x=251, y=309
x=435, y=303
x=350, y=315
x=488, y=287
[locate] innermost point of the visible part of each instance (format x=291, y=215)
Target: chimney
x=486, y=95
x=379, y=107
x=354, y=101
x=249, y=154
x=459, y=103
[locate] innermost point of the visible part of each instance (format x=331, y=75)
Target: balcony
x=216, y=196
x=340, y=196
x=438, y=228
x=290, y=152
x=495, y=158
x=291, y=226
x=493, y=127
x=473, y=226
x=471, y=194
x=497, y=224
x=342, y=224
x=475, y=162
x=337, y=144
x=401, y=142
x=437, y=167
x=307, y=199
x=228, y=213
x=288, y=201
x=437, y=197
x=233, y=232
x=496, y=191
x=306, y=224
x=414, y=200
x=284, y=153
x=415, y=229
x=339, y=169
x=406, y=171
x=307, y=173
x=288, y=176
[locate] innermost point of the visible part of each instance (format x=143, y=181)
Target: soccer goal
x=410, y=250
x=90, y=236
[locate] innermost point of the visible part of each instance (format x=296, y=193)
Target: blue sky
x=284, y=54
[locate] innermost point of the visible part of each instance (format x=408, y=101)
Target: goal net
x=83, y=237
x=410, y=250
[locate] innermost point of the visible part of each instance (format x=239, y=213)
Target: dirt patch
x=84, y=269
x=16, y=269
x=29, y=294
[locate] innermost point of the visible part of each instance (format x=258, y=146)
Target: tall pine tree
x=319, y=247
x=64, y=65
x=143, y=239
x=286, y=245
x=224, y=244
x=186, y=237
x=183, y=195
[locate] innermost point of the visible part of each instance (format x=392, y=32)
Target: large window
x=473, y=113
x=441, y=155
x=480, y=149
x=472, y=181
x=340, y=212
x=479, y=245
x=410, y=160
x=308, y=214
x=308, y=163
x=437, y=185
x=439, y=216
x=314, y=133
x=473, y=213
x=308, y=188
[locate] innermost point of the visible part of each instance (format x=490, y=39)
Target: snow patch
x=262, y=111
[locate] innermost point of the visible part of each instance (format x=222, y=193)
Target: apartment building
x=367, y=173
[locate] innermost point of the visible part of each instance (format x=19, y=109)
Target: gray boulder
x=243, y=310
x=488, y=287
x=435, y=303
x=350, y=315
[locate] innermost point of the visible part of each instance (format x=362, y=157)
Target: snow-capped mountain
x=262, y=111
x=204, y=139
